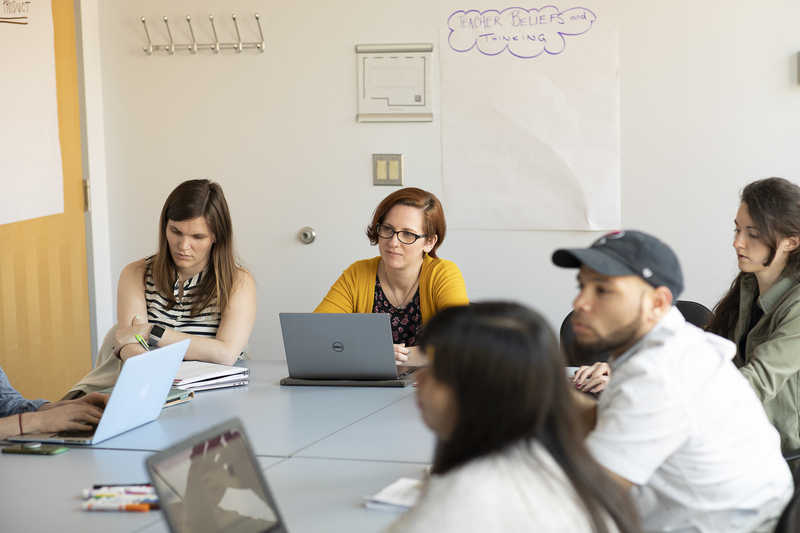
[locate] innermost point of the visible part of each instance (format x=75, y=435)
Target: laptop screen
x=212, y=483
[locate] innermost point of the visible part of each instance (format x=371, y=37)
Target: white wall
x=709, y=101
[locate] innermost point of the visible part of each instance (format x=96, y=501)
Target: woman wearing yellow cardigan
x=407, y=280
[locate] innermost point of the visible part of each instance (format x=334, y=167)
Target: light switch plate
x=387, y=169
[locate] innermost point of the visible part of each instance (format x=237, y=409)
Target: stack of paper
x=397, y=497
x=197, y=375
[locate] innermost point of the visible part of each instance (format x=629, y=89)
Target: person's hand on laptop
x=94, y=398
x=592, y=378
x=411, y=356
x=400, y=354
x=66, y=415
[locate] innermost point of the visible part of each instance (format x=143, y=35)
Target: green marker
x=141, y=341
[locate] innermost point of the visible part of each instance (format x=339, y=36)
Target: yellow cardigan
x=440, y=286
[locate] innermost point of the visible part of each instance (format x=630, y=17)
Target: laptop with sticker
x=212, y=482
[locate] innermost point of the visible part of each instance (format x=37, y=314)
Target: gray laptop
x=341, y=349
x=138, y=396
x=212, y=482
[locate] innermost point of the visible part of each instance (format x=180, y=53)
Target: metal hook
x=149, y=47
x=192, y=47
x=262, y=45
x=171, y=46
x=237, y=47
x=215, y=46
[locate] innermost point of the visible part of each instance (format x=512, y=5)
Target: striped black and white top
x=204, y=324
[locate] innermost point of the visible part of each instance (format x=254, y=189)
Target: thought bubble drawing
x=526, y=33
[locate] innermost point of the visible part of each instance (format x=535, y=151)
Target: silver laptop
x=138, y=396
x=352, y=348
x=212, y=482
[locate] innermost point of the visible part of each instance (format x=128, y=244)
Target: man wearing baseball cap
x=677, y=424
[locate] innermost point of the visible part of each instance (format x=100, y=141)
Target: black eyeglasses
x=405, y=237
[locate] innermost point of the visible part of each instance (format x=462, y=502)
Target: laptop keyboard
x=406, y=372
x=76, y=434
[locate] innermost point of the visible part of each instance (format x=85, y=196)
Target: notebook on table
x=341, y=349
x=199, y=376
x=212, y=482
x=138, y=397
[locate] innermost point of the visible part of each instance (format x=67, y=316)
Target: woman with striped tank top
x=192, y=288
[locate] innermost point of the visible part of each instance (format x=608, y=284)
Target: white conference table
x=321, y=448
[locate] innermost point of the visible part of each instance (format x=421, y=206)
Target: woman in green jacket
x=761, y=311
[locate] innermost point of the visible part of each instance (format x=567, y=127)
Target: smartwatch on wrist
x=156, y=332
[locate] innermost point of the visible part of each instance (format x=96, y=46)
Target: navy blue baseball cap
x=628, y=253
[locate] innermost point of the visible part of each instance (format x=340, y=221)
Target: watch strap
x=156, y=332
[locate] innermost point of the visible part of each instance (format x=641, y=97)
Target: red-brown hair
x=432, y=212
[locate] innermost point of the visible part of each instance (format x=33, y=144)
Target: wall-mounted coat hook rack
x=215, y=47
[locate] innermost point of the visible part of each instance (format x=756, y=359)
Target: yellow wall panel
x=44, y=293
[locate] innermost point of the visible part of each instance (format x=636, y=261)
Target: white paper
x=193, y=371
x=397, y=497
x=221, y=383
x=530, y=116
x=31, y=178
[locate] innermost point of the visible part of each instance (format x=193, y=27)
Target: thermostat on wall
x=394, y=82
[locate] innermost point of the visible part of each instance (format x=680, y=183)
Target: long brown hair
x=774, y=206
x=503, y=363
x=434, y=223
x=193, y=199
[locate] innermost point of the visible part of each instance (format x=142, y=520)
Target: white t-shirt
x=681, y=422
x=520, y=489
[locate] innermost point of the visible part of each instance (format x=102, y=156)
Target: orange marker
x=109, y=506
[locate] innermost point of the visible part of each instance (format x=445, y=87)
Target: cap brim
x=599, y=261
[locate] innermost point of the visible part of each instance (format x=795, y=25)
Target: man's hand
x=78, y=414
x=592, y=378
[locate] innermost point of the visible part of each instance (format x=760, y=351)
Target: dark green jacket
x=771, y=362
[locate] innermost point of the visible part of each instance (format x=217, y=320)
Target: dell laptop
x=341, y=349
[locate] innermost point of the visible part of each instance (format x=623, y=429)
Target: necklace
x=401, y=306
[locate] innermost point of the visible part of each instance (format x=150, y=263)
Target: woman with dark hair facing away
x=407, y=280
x=761, y=311
x=510, y=455
x=192, y=288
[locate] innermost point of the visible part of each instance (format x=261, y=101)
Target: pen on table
x=123, y=485
x=141, y=341
x=107, y=492
x=140, y=497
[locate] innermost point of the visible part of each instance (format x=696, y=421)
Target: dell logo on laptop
x=338, y=347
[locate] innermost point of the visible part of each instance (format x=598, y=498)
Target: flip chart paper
x=31, y=179
x=530, y=116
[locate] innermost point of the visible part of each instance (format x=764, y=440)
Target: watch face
x=157, y=331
